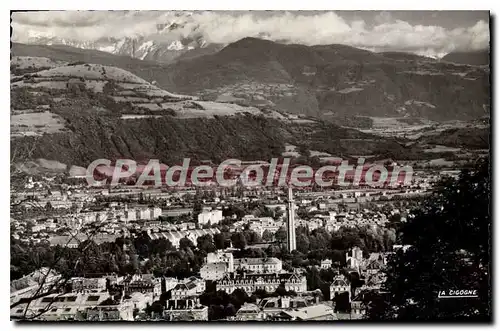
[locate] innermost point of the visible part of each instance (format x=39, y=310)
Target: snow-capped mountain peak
x=176, y=45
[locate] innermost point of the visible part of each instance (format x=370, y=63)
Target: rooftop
x=311, y=312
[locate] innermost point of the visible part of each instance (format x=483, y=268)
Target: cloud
x=385, y=33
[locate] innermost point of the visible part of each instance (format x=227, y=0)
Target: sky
x=431, y=33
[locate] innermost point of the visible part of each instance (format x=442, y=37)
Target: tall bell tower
x=290, y=224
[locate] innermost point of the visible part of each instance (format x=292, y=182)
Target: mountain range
x=249, y=100
x=165, y=46
x=77, y=112
x=327, y=81
x=140, y=47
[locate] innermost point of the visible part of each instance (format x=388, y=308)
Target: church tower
x=290, y=224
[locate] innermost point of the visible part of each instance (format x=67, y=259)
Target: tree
x=281, y=235
x=230, y=310
x=156, y=308
x=239, y=241
x=185, y=243
x=342, y=302
x=205, y=243
x=273, y=251
x=240, y=296
x=263, y=211
x=219, y=241
x=278, y=212
x=252, y=237
x=281, y=290
x=450, y=238
x=303, y=243
x=134, y=259
x=267, y=236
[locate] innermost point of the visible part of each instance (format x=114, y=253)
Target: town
x=240, y=253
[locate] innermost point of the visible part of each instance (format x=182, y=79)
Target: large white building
x=212, y=216
x=213, y=271
x=326, y=264
x=27, y=286
x=355, y=258
x=112, y=215
x=58, y=306
x=221, y=256
x=258, y=224
x=217, y=264
x=261, y=224
x=259, y=265
x=187, y=288
x=340, y=285
x=175, y=236
x=143, y=283
x=250, y=282
x=148, y=213
x=311, y=224
x=185, y=310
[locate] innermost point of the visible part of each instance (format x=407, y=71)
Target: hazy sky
x=423, y=32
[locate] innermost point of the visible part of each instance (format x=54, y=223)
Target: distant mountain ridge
x=472, y=57
x=335, y=80
x=325, y=81
x=160, y=47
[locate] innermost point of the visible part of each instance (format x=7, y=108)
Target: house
x=138, y=300
x=275, y=305
x=41, y=279
x=75, y=241
x=259, y=265
x=59, y=307
x=326, y=264
x=145, y=283
x=358, y=309
x=168, y=283
x=175, y=236
x=250, y=282
x=375, y=263
x=176, y=212
x=318, y=312
x=213, y=271
x=374, y=281
x=355, y=258
x=188, y=309
x=221, y=256
x=188, y=288
x=248, y=312
x=340, y=285
x=261, y=224
x=147, y=213
x=184, y=290
x=88, y=285
x=107, y=313
x=216, y=265
x=212, y=216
